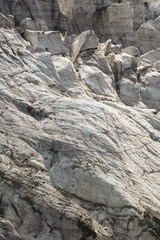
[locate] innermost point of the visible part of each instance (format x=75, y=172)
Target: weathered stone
x=126, y=22
x=97, y=81
x=50, y=41
x=157, y=65
x=108, y=47
x=67, y=78
x=121, y=62
x=151, y=93
x=6, y=21
x=153, y=56
x=34, y=25
x=85, y=41
x=147, y=37
x=96, y=59
x=131, y=51
x=79, y=121
x=36, y=9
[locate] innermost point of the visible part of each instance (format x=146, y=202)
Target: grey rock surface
x=35, y=9
x=124, y=21
x=79, y=124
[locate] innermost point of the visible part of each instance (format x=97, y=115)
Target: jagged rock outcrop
x=85, y=41
x=80, y=122
x=35, y=9
x=30, y=207
x=124, y=21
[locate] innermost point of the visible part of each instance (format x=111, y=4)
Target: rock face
x=35, y=9
x=80, y=121
x=124, y=21
x=49, y=41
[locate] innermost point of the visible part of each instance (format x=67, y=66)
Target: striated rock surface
x=124, y=21
x=35, y=9
x=79, y=120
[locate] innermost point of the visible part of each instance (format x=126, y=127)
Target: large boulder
x=147, y=37
x=85, y=41
x=67, y=78
x=150, y=93
x=131, y=50
x=97, y=81
x=152, y=56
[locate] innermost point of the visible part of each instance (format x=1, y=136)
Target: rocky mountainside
x=80, y=120
x=128, y=22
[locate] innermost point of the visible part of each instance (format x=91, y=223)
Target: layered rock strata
x=80, y=125
x=126, y=22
